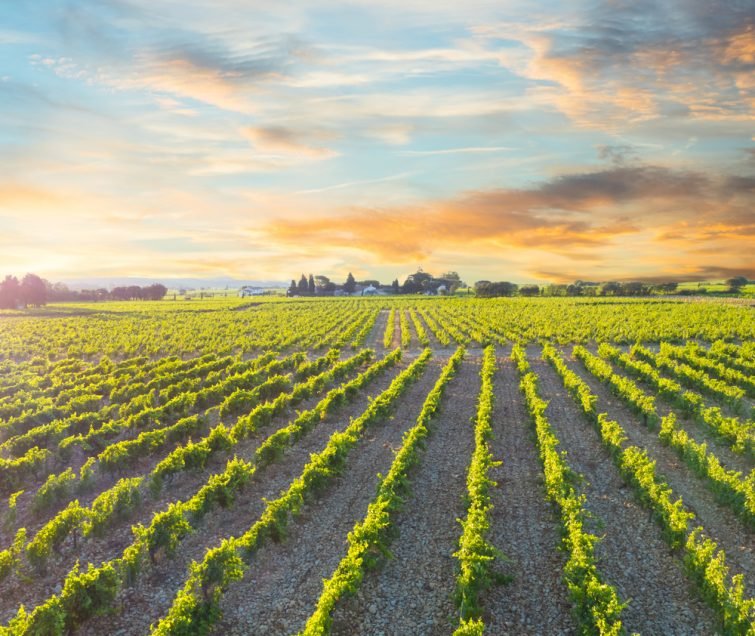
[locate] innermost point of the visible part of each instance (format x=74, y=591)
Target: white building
x=248, y=290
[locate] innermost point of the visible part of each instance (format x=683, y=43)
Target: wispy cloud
x=280, y=139
x=518, y=135
x=471, y=150
x=352, y=184
x=615, y=64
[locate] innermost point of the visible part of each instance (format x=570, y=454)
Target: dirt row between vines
x=147, y=602
x=180, y=487
x=719, y=521
x=281, y=589
x=523, y=525
x=633, y=555
x=374, y=339
x=413, y=592
x=697, y=431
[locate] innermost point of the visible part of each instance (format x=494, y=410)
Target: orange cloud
x=635, y=218
x=608, y=68
x=15, y=195
x=739, y=47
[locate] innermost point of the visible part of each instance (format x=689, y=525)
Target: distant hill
x=172, y=283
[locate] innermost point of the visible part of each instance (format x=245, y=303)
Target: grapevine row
x=597, y=604
x=476, y=554
x=196, y=606
x=87, y=594
x=729, y=486
x=705, y=564
x=371, y=536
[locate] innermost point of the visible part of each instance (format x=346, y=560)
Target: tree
x=33, y=291
x=556, y=289
x=452, y=281
x=611, y=288
x=635, y=288
x=486, y=289
x=10, y=293
x=59, y=292
x=395, y=286
x=155, y=292
x=311, y=285
x=350, y=285
x=303, y=285
x=418, y=282
x=529, y=290
x=292, y=289
x=667, y=288
x=735, y=284
x=119, y=293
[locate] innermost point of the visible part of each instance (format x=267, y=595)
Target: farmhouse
x=248, y=290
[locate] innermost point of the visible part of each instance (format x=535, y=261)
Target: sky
x=531, y=141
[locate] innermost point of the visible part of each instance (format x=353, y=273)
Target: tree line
x=421, y=282
x=488, y=289
x=417, y=283
x=34, y=291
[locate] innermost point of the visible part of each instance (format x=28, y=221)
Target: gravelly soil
x=375, y=338
x=719, y=521
x=281, y=588
x=96, y=550
x=413, y=592
x=633, y=555
x=152, y=598
x=523, y=525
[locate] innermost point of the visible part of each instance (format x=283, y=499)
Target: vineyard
x=378, y=466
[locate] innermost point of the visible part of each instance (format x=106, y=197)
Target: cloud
x=280, y=139
x=351, y=184
x=618, y=155
x=19, y=195
x=620, y=184
x=682, y=275
x=470, y=150
x=619, y=63
x=394, y=134
x=633, y=212
x=226, y=74
x=743, y=185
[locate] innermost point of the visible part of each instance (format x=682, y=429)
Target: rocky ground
x=412, y=593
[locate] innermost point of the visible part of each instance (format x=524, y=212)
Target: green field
x=378, y=466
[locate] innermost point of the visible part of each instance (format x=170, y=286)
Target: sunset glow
x=508, y=140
